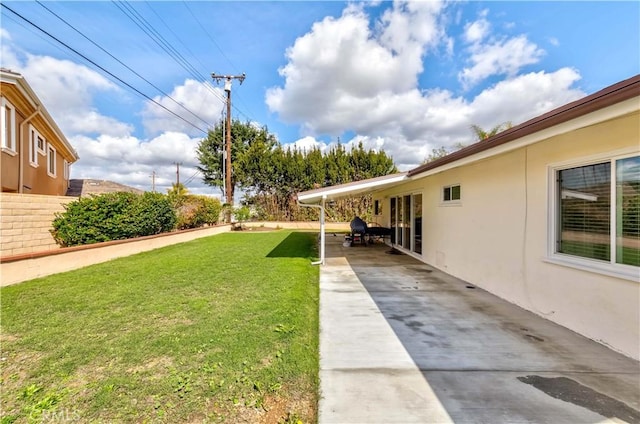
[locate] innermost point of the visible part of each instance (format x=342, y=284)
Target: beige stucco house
x=545, y=214
x=36, y=156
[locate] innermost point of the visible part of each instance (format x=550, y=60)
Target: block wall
x=25, y=222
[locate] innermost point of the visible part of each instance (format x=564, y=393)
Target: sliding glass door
x=393, y=224
x=406, y=222
x=417, y=222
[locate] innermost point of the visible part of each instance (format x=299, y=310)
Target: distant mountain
x=86, y=187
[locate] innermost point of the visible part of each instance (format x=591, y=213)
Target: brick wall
x=25, y=221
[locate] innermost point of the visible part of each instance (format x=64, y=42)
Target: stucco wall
x=497, y=237
x=25, y=221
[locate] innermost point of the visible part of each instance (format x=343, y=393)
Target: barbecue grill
x=364, y=233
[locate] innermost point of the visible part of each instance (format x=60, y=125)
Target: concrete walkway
x=401, y=342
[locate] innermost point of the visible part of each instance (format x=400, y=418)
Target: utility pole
x=228, y=79
x=177, y=173
x=153, y=181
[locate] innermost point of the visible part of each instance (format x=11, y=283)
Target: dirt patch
x=159, y=365
x=276, y=409
x=171, y=321
x=8, y=338
x=289, y=410
x=254, y=229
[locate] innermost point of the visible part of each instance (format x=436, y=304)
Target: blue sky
x=403, y=77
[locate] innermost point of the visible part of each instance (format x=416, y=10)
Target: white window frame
x=50, y=150
x=8, y=146
x=610, y=268
x=450, y=202
x=66, y=169
x=34, y=148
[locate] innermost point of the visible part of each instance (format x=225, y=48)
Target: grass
x=221, y=329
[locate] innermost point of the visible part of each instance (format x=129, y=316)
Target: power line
x=208, y=34
x=120, y=62
x=101, y=68
x=162, y=42
x=40, y=36
x=188, y=181
x=146, y=27
x=174, y=34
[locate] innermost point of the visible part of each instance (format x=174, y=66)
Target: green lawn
x=221, y=329
x=626, y=255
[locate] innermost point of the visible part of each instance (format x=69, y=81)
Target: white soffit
x=350, y=189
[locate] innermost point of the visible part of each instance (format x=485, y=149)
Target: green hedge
x=113, y=216
x=194, y=211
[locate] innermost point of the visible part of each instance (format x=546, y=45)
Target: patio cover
x=317, y=198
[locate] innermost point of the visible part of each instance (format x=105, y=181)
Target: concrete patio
x=401, y=342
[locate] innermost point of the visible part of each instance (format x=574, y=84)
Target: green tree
x=248, y=142
x=177, y=193
x=482, y=134
x=271, y=175
x=442, y=151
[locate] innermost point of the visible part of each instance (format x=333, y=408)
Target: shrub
x=195, y=211
x=113, y=216
x=242, y=214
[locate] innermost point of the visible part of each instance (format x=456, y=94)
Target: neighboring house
x=545, y=214
x=87, y=187
x=35, y=156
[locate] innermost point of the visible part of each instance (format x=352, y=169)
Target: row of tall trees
x=270, y=174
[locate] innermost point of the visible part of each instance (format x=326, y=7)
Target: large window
x=8, y=125
x=598, y=211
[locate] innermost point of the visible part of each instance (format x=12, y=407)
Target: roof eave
x=349, y=189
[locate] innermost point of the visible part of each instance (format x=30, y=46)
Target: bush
x=242, y=214
x=113, y=216
x=195, y=211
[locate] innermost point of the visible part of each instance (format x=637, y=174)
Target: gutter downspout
x=322, y=235
x=21, y=152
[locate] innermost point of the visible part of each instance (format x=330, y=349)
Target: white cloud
x=67, y=90
x=342, y=68
x=475, y=32
x=490, y=55
x=131, y=161
x=342, y=76
x=502, y=57
x=307, y=144
x=202, y=99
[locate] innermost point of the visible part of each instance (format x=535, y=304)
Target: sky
x=405, y=77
